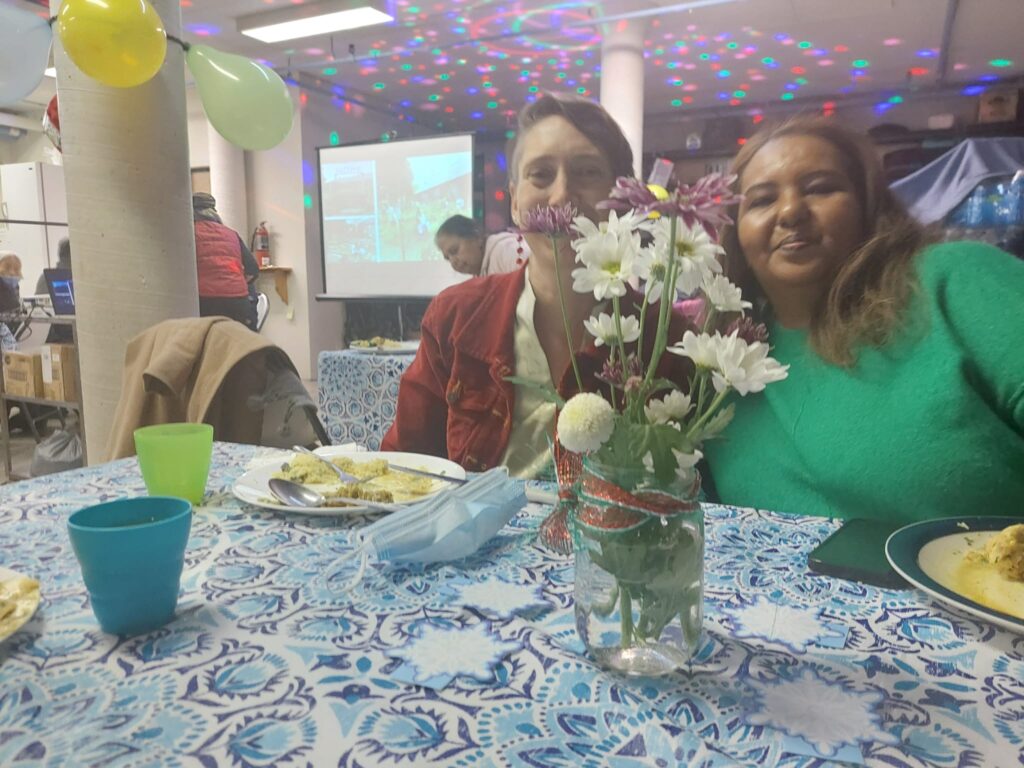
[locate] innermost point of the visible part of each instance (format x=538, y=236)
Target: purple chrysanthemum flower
x=748, y=330
x=550, y=220
x=616, y=374
x=704, y=202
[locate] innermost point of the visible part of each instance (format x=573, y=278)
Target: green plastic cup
x=175, y=459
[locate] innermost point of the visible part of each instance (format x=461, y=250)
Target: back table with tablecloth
x=358, y=392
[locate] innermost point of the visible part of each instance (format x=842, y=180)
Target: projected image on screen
x=381, y=205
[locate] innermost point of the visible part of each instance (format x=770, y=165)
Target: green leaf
x=630, y=443
x=716, y=424
x=659, y=385
x=546, y=390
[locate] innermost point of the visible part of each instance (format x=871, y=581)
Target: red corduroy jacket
x=454, y=402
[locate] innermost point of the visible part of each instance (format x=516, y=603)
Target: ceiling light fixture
x=50, y=71
x=309, y=19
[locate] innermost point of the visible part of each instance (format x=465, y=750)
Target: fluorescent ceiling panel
x=323, y=24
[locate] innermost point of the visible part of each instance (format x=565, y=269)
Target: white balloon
x=24, y=51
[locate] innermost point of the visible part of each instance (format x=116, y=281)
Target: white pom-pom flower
x=602, y=328
x=585, y=423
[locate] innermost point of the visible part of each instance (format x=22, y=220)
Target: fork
x=343, y=476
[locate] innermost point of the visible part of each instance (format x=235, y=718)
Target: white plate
x=929, y=553
x=26, y=605
x=252, y=487
x=400, y=348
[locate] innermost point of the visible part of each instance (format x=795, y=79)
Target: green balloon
x=245, y=101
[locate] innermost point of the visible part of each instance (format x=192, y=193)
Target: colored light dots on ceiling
x=330, y=71
x=786, y=97
x=1001, y=63
x=861, y=63
x=334, y=139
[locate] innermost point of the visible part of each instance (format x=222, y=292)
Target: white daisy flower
x=585, y=423
x=745, y=367
x=685, y=462
x=608, y=252
x=673, y=407
x=602, y=328
x=695, y=252
x=724, y=295
x=701, y=348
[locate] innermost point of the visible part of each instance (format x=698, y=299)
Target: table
x=358, y=394
x=270, y=662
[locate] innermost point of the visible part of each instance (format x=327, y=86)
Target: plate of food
x=380, y=482
x=19, y=598
x=975, y=564
x=379, y=345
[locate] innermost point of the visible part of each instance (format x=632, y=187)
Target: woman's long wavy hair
x=871, y=288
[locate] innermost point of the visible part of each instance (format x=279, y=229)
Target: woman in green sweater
x=905, y=395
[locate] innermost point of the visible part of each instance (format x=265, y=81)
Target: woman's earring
x=519, y=249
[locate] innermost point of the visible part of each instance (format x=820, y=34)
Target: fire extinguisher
x=260, y=245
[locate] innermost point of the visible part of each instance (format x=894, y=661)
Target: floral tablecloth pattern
x=271, y=661
x=358, y=395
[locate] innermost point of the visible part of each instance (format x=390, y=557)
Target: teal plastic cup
x=131, y=552
x=175, y=459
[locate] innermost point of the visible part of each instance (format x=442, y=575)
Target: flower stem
x=699, y=424
x=667, y=295
x=565, y=316
x=643, y=318
x=626, y=611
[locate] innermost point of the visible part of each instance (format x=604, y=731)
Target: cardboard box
x=23, y=374
x=59, y=372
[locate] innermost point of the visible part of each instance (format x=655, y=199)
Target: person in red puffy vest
x=226, y=267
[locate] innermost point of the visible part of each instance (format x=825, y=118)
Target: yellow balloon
x=121, y=43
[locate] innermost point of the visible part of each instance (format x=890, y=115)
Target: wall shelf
x=280, y=279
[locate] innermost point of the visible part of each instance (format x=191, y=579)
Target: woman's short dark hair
x=871, y=289
x=459, y=226
x=587, y=117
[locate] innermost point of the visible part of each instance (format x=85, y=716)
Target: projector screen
x=380, y=205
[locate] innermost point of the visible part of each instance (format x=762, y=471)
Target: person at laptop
x=226, y=267
x=58, y=334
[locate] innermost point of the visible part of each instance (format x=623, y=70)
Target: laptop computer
x=62, y=290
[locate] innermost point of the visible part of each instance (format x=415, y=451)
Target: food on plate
x=19, y=597
x=992, y=573
x=378, y=342
x=379, y=482
x=1005, y=551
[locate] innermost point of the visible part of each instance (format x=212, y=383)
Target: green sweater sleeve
x=978, y=292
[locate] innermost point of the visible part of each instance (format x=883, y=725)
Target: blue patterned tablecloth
x=274, y=661
x=358, y=394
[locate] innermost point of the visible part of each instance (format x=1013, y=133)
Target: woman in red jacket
x=455, y=399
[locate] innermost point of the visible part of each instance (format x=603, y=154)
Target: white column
x=622, y=80
x=227, y=182
x=126, y=170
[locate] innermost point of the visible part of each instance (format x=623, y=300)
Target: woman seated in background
x=905, y=395
x=463, y=246
x=10, y=298
x=455, y=400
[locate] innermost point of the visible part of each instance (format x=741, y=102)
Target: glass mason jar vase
x=639, y=550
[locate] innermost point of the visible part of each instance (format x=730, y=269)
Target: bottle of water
x=1015, y=202
x=975, y=214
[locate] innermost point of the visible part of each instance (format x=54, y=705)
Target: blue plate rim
x=903, y=546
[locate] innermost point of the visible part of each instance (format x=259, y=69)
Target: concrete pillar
x=126, y=170
x=622, y=80
x=227, y=182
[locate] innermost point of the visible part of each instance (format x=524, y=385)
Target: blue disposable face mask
x=448, y=526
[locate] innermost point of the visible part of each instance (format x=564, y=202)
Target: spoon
x=297, y=495
x=344, y=476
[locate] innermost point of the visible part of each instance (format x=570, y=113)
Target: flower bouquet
x=637, y=529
